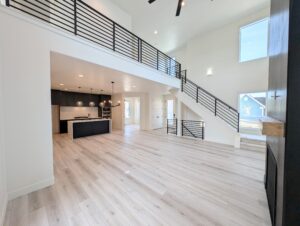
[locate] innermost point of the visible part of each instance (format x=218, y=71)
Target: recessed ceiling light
x=66, y=89
x=155, y=32
x=183, y=3
x=80, y=76
x=61, y=84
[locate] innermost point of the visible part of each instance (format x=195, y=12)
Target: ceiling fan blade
x=151, y=1
x=179, y=7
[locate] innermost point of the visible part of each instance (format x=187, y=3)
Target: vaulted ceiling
x=197, y=16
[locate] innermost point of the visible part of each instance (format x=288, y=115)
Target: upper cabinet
x=71, y=99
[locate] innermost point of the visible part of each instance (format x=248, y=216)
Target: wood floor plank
x=147, y=178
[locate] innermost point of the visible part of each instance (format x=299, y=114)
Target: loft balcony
x=82, y=20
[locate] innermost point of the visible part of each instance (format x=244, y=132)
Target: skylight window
x=254, y=40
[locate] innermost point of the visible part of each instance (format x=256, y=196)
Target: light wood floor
x=147, y=178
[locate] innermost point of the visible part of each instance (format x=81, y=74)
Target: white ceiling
x=196, y=17
x=65, y=70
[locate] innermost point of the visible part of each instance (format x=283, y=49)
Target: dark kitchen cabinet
x=71, y=98
x=63, y=126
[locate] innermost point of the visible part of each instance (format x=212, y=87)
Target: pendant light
x=111, y=104
x=79, y=103
x=92, y=103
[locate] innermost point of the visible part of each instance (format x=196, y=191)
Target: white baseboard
x=3, y=211
x=30, y=188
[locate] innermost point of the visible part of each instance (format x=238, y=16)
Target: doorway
x=170, y=109
x=132, y=113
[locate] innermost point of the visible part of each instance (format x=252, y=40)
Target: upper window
x=254, y=40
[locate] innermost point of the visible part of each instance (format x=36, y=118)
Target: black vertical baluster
x=75, y=17
x=179, y=70
x=157, y=60
x=197, y=101
x=7, y=2
x=182, y=127
x=169, y=66
x=238, y=124
x=140, y=50
x=114, y=36
x=167, y=126
x=216, y=106
x=202, y=131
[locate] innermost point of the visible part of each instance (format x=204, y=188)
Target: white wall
x=117, y=113
x=188, y=114
x=3, y=192
x=26, y=45
x=219, y=50
x=112, y=11
x=72, y=112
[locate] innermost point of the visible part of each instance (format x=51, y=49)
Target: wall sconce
x=209, y=71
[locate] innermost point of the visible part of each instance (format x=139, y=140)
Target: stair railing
x=79, y=18
x=172, y=125
x=191, y=128
x=218, y=107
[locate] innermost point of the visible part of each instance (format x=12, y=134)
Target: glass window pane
x=254, y=41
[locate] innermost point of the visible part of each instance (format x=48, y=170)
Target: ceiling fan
x=180, y=4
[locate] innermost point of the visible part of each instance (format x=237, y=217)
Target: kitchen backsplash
x=72, y=112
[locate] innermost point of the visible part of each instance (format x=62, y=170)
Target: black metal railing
x=218, y=107
x=172, y=126
x=79, y=18
x=192, y=128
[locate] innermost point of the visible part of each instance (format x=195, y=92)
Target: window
x=252, y=106
x=254, y=40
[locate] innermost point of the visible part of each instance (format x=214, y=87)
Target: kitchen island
x=83, y=128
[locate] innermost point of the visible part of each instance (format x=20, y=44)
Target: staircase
x=218, y=107
x=221, y=120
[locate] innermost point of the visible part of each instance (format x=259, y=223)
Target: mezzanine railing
x=79, y=18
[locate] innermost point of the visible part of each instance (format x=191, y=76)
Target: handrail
x=211, y=102
x=82, y=20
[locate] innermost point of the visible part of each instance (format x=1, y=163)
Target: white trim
x=3, y=211
x=31, y=188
